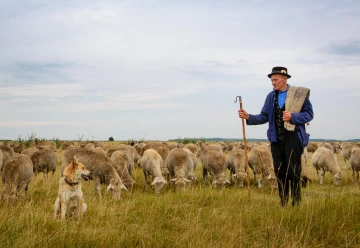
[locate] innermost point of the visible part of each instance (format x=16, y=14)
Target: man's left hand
x=286, y=116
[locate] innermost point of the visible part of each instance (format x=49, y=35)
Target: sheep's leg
x=322, y=175
x=98, y=187
x=205, y=175
x=357, y=176
x=147, y=182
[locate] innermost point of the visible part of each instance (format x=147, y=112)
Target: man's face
x=279, y=82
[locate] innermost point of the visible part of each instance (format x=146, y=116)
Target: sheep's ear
x=269, y=177
x=227, y=181
x=234, y=175
x=187, y=180
x=157, y=179
x=122, y=186
x=173, y=180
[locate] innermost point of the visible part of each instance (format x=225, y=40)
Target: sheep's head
x=239, y=178
x=159, y=183
x=180, y=183
x=272, y=181
x=116, y=186
x=221, y=181
x=337, y=178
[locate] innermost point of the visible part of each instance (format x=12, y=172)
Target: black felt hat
x=279, y=70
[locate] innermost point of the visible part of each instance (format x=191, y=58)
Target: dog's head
x=75, y=170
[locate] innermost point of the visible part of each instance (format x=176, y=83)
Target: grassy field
x=202, y=216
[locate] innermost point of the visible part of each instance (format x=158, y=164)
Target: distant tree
x=111, y=139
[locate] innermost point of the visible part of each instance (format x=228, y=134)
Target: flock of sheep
x=164, y=163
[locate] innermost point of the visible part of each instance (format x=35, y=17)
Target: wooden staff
x=245, y=147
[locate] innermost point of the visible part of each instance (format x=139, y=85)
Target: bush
x=111, y=139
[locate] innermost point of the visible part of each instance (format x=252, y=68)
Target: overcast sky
x=161, y=69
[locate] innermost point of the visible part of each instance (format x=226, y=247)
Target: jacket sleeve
x=263, y=117
x=305, y=115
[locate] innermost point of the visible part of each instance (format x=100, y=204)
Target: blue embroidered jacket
x=299, y=119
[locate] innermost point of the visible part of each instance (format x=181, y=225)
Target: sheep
x=304, y=169
x=328, y=146
x=18, y=147
x=52, y=144
x=151, y=163
x=16, y=175
x=7, y=153
x=131, y=153
x=312, y=147
x=324, y=160
x=193, y=148
x=355, y=164
x=260, y=161
x=191, y=173
x=235, y=162
x=29, y=151
x=346, y=149
x=66, y=144
x=101, y=167
x=178, y=163
x=163, y=150
x=214, y=163
x=120, y=162
x=44, y=161
x=204, y=148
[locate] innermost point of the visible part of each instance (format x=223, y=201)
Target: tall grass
x=201, y=216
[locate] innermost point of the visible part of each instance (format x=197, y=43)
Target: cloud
x=346, y=48
x=16, y=124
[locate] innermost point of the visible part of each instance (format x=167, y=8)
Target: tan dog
x=70, y=200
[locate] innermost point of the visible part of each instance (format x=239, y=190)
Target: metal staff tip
x=237, y=98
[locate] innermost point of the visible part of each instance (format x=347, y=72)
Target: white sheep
x=235, y=162
x=16, y=175
x=355, y=164
x=324, y=160
x=261, y=162
x=213, y=162
x=179, y=163
x=151, y=163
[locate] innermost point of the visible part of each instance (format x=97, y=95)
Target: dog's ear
x=74, y=161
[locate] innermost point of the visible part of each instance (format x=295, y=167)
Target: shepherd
x=287, y=109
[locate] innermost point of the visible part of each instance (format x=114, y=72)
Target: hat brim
x=279, y=72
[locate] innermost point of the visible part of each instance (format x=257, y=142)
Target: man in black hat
x=287, y=109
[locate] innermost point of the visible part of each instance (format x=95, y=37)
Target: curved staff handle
x=245, y=147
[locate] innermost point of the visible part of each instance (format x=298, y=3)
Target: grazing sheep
x=7, y=153
x=193, y=148
x=346, y=149
x=101, y=167
x=355, y=164
x=261, y=162
x=18, y=147
x=191, y=173
x=140, y=148
x=204, y=148
x=16, y=175
x=304, y=169
x=235, y=162
x=312, y=147
x=52, y=144
x=324, y=160
x=179, y=163
x=131, y=153
x=120, y=162
x=214, y=163
x=66, y=144
x=44, y=161
x=151, y=163
x=163, y=150
x=328, y=146
x=29, y=151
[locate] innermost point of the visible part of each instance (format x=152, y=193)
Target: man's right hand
x=243, y=114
